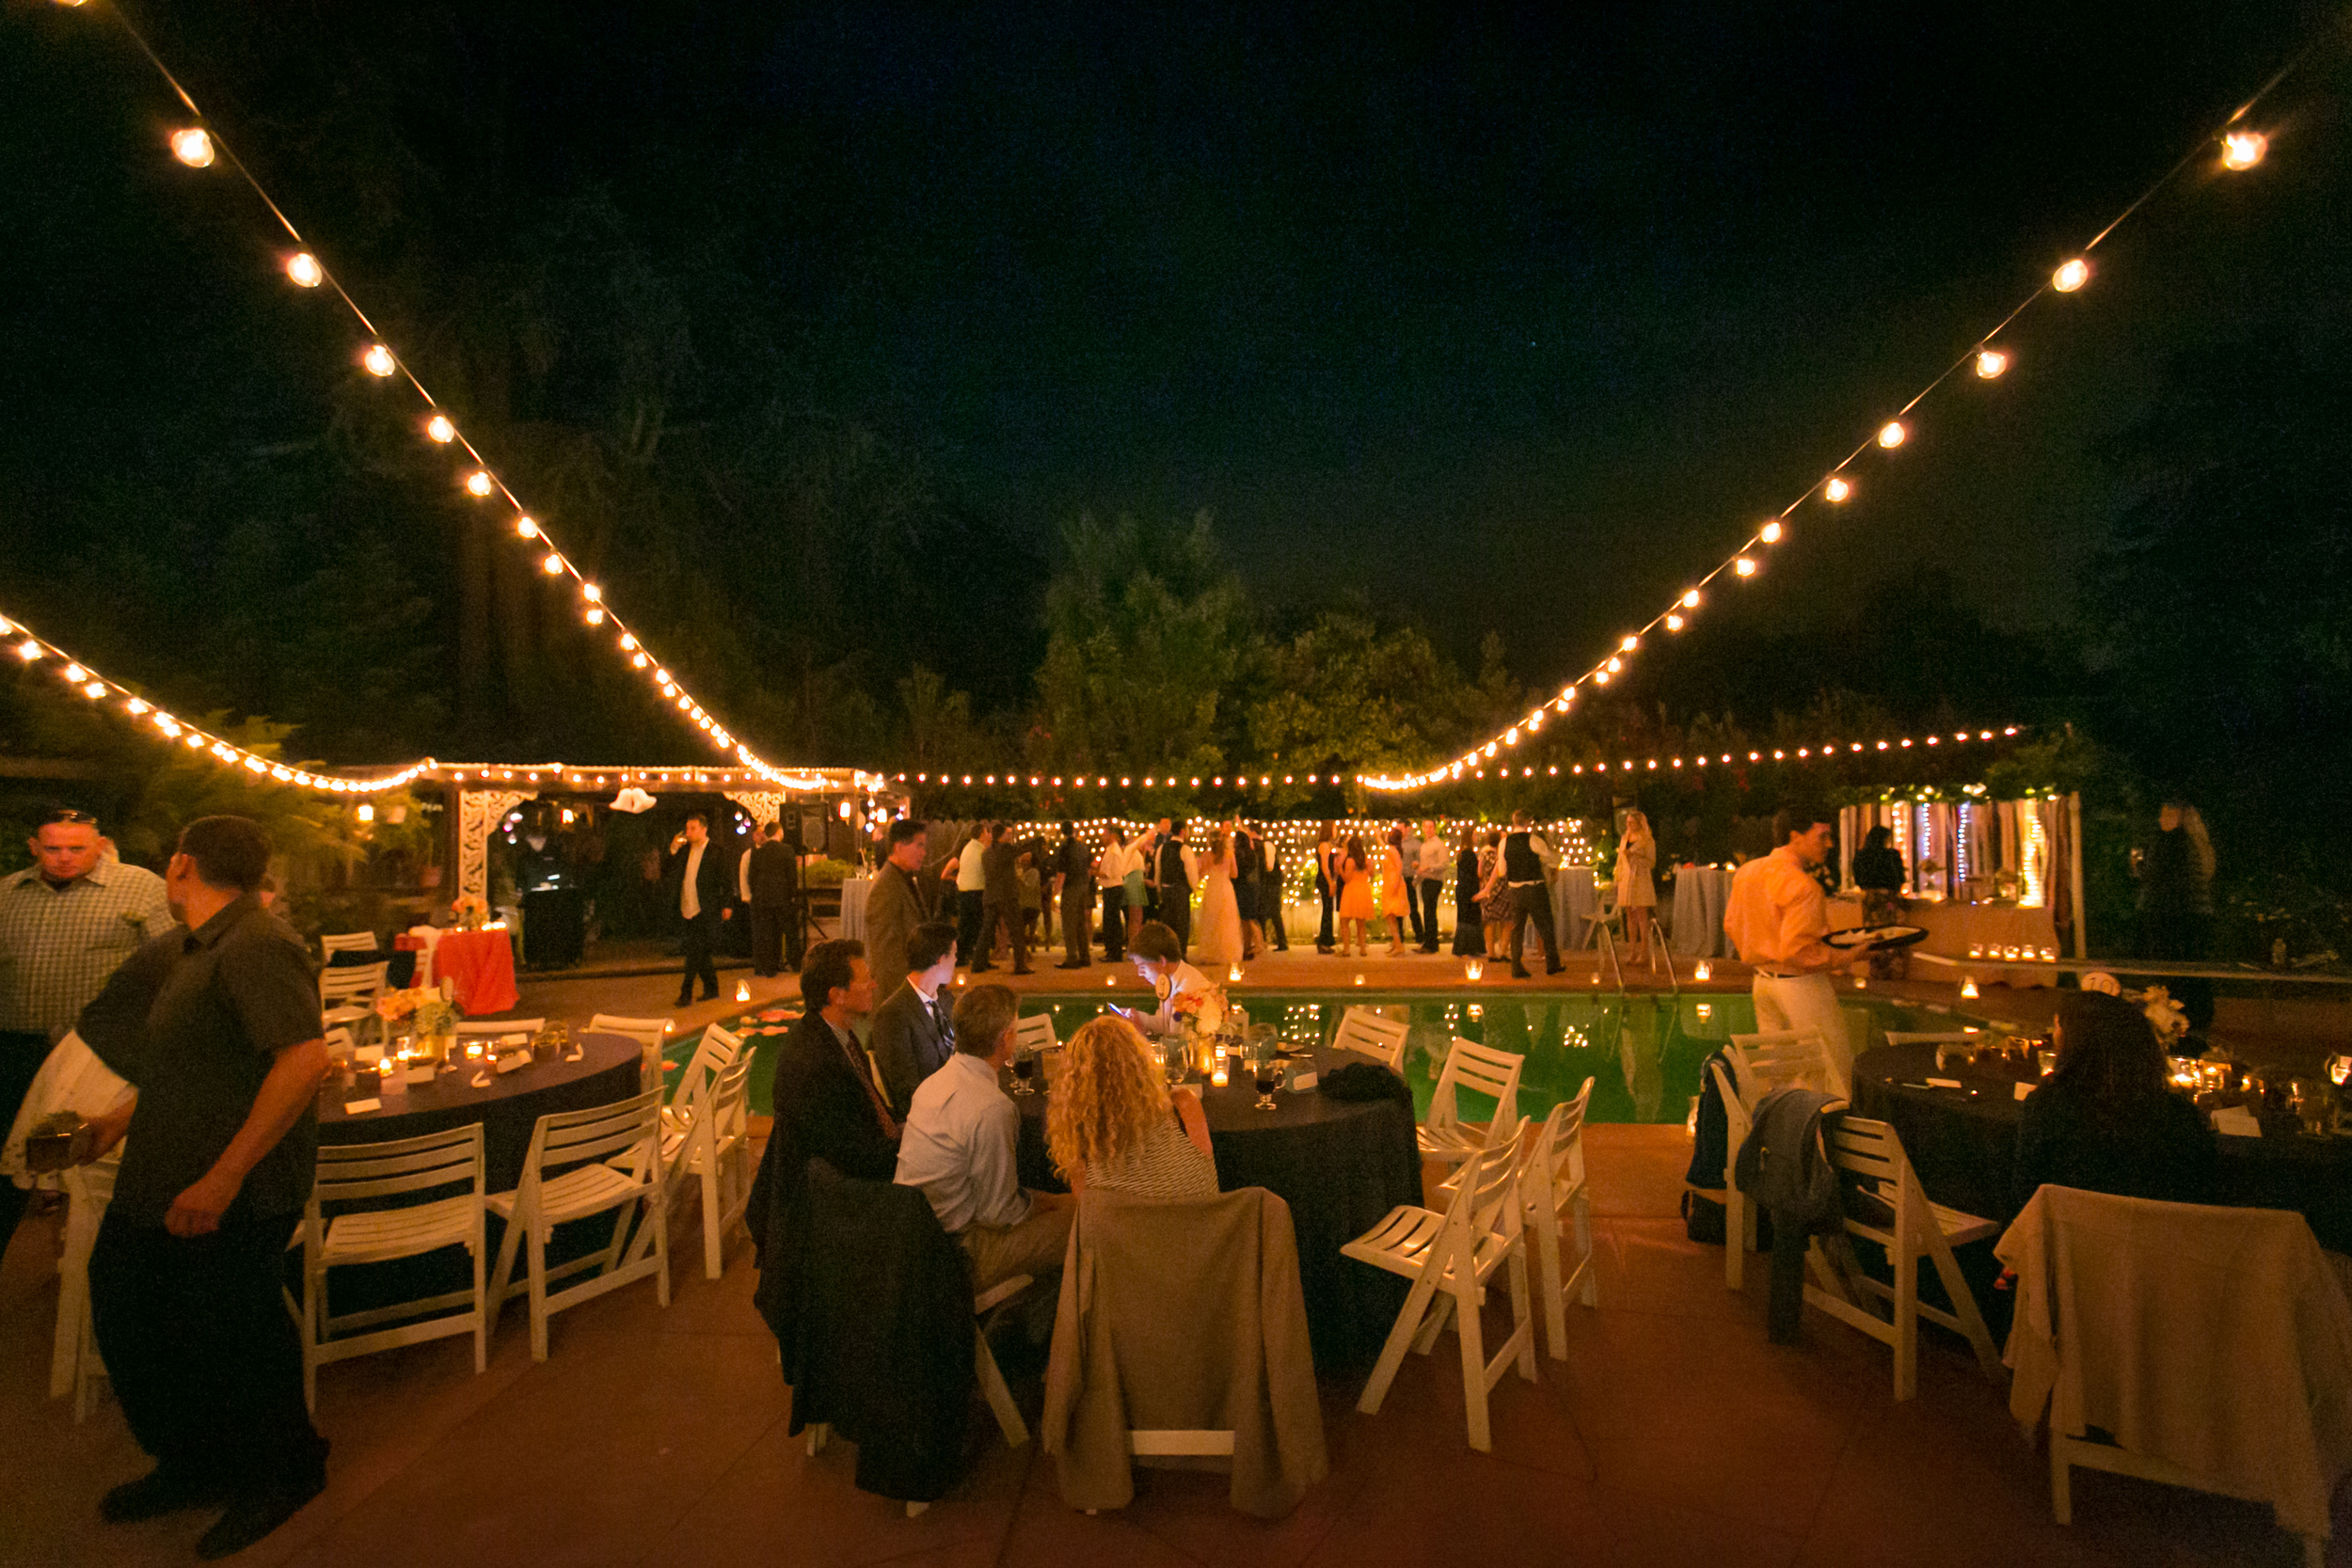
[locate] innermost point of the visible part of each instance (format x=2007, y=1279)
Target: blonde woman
x=1637, y=895
x=1113, y=1123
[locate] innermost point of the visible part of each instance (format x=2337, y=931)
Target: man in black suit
x=825, y=1087
x=774, y=886
x=697, y=878
x=913, y=1031
x=1176, y=882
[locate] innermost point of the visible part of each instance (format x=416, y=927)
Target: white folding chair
x=1450, y=1257
x=714, y=1054
x=355, y=942
x=570, y=1174
x=1738, y=1219
x=74, y=1366
x=1553, y=1188
x=1759, y=1064
x=651, y=1035
x=714, y=1148
x=1445, y=1137
x=1369, y=1034
x=1917, y=1229
x=355, y=1173
x=347, y=997
x=1034, y=1033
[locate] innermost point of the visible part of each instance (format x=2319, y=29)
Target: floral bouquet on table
x=422, y=1010
x=470, y=911
x=1200, y=1013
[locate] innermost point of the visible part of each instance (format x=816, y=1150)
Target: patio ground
x=1673, y=1433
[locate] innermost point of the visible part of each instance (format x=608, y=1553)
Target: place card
x=2025, y=1089
x=367, y=1054
x=1946, y=1083
x=2237, y=1122
x=514, y=1063
x=421, y=1076
x=1301, y=1082
x=359, y=1107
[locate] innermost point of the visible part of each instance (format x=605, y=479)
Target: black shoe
x=254, y=1515
x=1519, y=973
x=161, y=1491
x=685, y=1000
x=1019, y=971
x=1553, y=969
x=1067, y=964
x=1428, y=947
x=711, y=996
x=982, y=969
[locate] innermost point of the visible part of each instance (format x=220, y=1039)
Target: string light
x=193, y=148
x=1770, y=534
x=304, y=270
x=1745, y=567
x=480, y=483
x=1838, y=488
x=1990, y=363
x=440, y=429
x=526, y=529
x=2071, y=276
x=378, y=360
x=1891, y=433
x=2243, y=150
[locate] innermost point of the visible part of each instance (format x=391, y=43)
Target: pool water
x=1643, y=1053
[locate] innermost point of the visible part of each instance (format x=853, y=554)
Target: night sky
x=1513, y=323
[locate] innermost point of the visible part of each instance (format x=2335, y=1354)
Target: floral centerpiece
x=423, y=1010
x=469, y=910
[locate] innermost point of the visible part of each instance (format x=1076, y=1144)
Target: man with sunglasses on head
x=67, y=922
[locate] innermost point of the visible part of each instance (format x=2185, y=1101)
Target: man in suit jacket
x=913, y=1030
x=773, y=882
x=901, y=901
x=697, y=880
x=1176, y=883
x=825, y=1086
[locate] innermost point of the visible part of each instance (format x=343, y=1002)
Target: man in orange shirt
x=1776, y=917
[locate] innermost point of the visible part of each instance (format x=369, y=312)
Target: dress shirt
x=957, y=1147
x=1776, y=914
x=743, y=876
x=1436, y=861
x=690, y=903
x=1183, y=979
x=971, y=874
x=1110, y=869
x=57, y=945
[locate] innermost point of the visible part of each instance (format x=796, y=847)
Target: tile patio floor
x=1673, y=1435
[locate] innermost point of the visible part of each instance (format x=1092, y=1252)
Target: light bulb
x=640, y=661
x=28, y=650
x=1629, y=642
x=193, y=148
x=552, y=565
x=304, y=269
x=1770, y=534
x=2071, y=276
x=525, y=527
x=1837, y=490
x=441, y=429
x=379, y=360
x=1615, y=664
x=1745, y=567
x=1892, y=433
x=1690, y=598
x=1600, y=677
x=479, y=483
x=94, y=690
x=594, y=616
x=2243, y=150
x=1674, y=622
x=1991, y=362
x=75, y=672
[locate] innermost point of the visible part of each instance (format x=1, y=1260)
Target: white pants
x=1807, y=1004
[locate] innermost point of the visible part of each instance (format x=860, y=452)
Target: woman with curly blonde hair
x=1113, y=1124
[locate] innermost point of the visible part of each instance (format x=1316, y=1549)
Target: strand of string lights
x=200, y=146
x=29, y=649
x=2241, y=148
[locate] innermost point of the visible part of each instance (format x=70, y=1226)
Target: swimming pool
x=1642, y=1051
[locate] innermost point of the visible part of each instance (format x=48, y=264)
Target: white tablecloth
x=1698, y=931
x=853, y=893
x=1575, y=904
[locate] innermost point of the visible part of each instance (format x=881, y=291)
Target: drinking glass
x=1267, y=1073
x=1024, y=1069
x=1174, y=1061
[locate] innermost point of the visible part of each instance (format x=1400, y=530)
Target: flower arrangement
x=2167, y=1016
x=469, y=910
x=1200, y=1012
x=423, y=1008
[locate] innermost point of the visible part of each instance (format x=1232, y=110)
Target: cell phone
x=1123, y=1012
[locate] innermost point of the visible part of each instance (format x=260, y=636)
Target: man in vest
x=1526, y=860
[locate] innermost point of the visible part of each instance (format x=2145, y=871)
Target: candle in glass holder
x=1705, y=970
x=1473, y=969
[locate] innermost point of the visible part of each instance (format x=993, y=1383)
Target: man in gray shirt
x=960, y=1143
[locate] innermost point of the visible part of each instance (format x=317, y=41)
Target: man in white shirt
x=959, y=1146
x=1527, y=864
x=1436, y=860
x=1776, y=917
x=971, y=886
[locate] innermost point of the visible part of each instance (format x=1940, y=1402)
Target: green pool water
x=1642, y=1051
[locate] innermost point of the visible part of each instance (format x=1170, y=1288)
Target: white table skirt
x=853, y=895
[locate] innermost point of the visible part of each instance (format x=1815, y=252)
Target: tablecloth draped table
x=1575, y=905
x=1340, y=1164
x=853, y=893
x=480, y=966
x=1697, y=928
x=1964, y=1145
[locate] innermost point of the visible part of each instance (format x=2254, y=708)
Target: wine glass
x=1024, y=1069
x=1266, y=1071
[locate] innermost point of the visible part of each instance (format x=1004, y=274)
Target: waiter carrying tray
x=1777, y=917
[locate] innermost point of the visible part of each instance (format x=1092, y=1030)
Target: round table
x=508, y=1107
x=1700, y=893
x=1963, y=1143
x=1340, y=1164
x=854, y=890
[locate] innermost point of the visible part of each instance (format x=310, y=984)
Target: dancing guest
x=1113, y=1123
x=1436, y=860
x=1777, y=915
x=1406, y=841
x=1469, y=938
x=969, y=866
x=1219, y=941
x=1637, y=892
x=1327, y=887
x=1355, y=902
x=1527, y=862
x=1073, y=874
x=1494, y=894
x=1110, y=881
x=1000, y=901
x=1274, y=903
x=1396, y=902
x=1244, y=856
x=1174, y=909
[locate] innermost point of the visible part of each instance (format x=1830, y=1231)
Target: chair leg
x=1584, y=1212
x=538, y=1293
x=314, y=1286
x=502, y=1275
x=1906, y=1305
x=1553, y=1286
x=481, y=1302
x=999, y=1396
x=915, y=1510
x=1739, y=1233
x=818, y=1435
x=659, y=1202
x=2062, y=1489
x=1523, y=1314
x=1400, y=1338
x=711, y=1186
x=1469, y=1329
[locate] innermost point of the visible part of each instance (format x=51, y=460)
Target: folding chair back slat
x=1366, y=1032
x=1034, y=1033
x=353, y=942
x=352, y=1172
x=493, y=1028
x=339, y=986
x=1551, y=1188
x=651, y=1035
x=560, y=1184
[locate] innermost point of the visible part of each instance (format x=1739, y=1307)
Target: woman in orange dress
x=1356, y=906
x=1394, y=891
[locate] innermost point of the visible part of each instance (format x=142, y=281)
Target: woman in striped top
x=1112, y=1122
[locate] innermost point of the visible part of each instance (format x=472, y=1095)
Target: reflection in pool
x=1642, y=1051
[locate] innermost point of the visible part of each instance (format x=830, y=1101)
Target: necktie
x=947, y=1022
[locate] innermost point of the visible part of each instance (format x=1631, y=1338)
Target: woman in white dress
x=1637, y=895
x=1216, y=922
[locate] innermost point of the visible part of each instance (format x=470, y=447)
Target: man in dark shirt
x=775, y=879
x=1175, y=866
x=185, y=1275
x=1000, y=901
x=825, y=1087
x=1073, y=871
